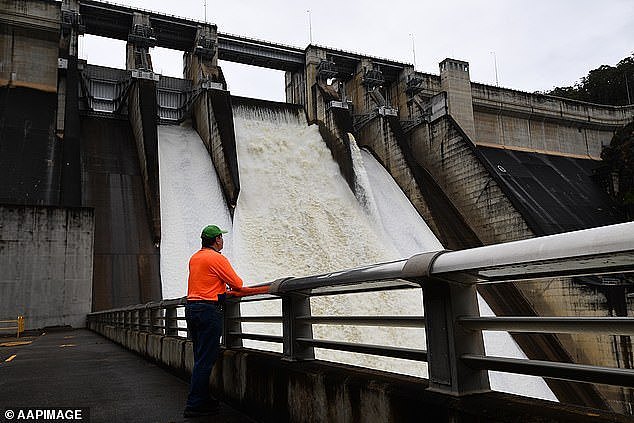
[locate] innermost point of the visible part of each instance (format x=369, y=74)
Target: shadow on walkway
x=80, y=369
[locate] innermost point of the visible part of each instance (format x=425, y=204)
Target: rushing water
x=191, y=198
x=296, y=216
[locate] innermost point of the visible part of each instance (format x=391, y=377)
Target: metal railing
x=455, y=356
x=18, y=328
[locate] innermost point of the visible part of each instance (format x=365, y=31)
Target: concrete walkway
x=80, y=369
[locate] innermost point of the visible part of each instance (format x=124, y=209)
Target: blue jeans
x=204, y=322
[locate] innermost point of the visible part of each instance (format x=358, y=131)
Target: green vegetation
x=612, y=85
x=618, y=157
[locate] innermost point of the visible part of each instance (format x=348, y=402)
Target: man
x=209, y=274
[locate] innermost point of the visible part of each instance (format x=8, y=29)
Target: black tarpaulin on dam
x=554, y=193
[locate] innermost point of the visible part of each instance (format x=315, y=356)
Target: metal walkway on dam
x=79, y=369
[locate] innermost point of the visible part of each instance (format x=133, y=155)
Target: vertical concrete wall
x=46, y=257
x=30, y=154
x=68, y=92
x=212, y=112
x=295, y=87
x=29, y=43
x=445, y=151
x=534, y=122
x=213, y=119
x=335, y=129
x=126, y=261
x=142, y=110
x=455, y=81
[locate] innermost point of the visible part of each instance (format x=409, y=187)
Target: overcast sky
x=537, y=44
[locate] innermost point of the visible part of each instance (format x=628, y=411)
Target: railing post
x=447, y=341
x=232, y=327
x=171, y=321
x=154, y=318
x=293, y=306
x=144, y=319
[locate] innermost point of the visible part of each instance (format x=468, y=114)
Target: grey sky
x=538, y=44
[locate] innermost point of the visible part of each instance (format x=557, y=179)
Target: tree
x=613, y=85
x=618, y=159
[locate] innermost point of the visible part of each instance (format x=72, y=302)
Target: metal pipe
x=605, y=325
x=383, y=321
x=606, y=249
x=372, y=272
x=381, y=350
x=568, y=371
x=258, y=337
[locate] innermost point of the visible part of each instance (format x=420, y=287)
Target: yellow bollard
x=20, y=325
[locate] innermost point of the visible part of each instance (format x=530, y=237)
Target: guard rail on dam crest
x=294, y=386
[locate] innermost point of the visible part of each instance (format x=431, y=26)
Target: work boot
x=206, y=410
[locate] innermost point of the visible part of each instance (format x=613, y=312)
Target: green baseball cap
x=212, y=231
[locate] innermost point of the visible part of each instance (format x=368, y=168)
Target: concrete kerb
x=142, y=343
x=172, y=353
x=132, y=340
x=154, y=346
x=188, y=357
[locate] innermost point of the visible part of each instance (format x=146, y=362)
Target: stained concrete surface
x=79, y=369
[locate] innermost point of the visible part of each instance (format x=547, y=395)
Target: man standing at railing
x=209, y=274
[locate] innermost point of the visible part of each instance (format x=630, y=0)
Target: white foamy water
x=296, y=216
x=191, y=198
x=400, y=220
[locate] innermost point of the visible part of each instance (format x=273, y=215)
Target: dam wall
x=213, y=119
x=434, y=133
x=126, y=260
x=532, y=122
x=30, y=153
x=447, y=154
x=142, y=112
x=29, y=34
x=46, y=257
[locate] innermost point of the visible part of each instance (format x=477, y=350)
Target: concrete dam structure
x=80, y=177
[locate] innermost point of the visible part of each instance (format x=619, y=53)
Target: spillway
x=296, y=216
x=191, y=198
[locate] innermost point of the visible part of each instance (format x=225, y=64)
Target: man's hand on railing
x=245, y=291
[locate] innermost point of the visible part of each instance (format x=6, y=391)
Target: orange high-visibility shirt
x=209, y=274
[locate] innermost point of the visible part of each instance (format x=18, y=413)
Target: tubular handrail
x=567, y=371
x=612, y=325
x=604, y=250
